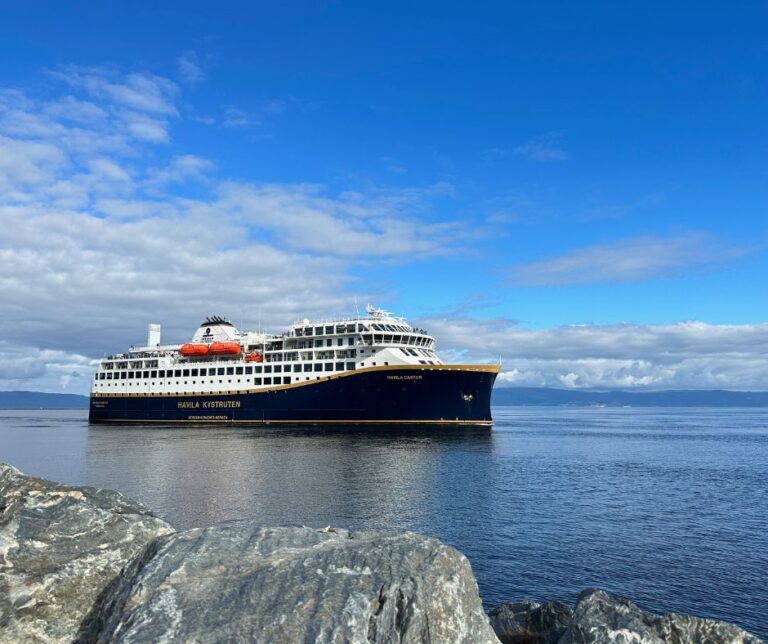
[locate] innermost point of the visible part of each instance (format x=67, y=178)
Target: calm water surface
x=668, y=506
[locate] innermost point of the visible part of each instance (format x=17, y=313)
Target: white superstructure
x=307, y=351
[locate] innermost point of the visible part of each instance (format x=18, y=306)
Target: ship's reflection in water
x=398, y=478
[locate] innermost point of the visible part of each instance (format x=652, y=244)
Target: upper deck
x=308, y=350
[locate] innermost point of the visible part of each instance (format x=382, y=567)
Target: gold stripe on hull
x=146, y=421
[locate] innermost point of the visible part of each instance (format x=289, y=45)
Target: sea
x=667, y=506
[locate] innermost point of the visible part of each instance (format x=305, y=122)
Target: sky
x=580, y=190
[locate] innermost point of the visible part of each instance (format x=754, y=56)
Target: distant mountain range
x=41, y=400
x=502, y=396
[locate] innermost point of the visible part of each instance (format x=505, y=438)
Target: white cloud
x=304, y=217
x=120, y=115
x=393, y=165
x=189, y=67
x=142, y=92
x=628, y=260
x=691, y=355
x=25, y=164
x=235, y=117
x=145, y=127
x=543, y=148
x=181, y=168
x=108, y=170
x=26, y=367
x=255, y=117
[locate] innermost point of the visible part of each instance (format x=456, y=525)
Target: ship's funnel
x=153, y=335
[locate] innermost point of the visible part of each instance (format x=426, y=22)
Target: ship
x=371, y=369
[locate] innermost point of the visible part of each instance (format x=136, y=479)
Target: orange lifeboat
x=224, y=348
x=193, y=350
x=254, y=357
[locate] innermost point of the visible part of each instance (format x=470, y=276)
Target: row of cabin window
x=367, y=339
x=229, y=371
x=390, y=327
x=329, y=330
x=304, y=344
x=277, y=380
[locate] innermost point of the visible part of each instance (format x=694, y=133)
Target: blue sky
x=528, y=167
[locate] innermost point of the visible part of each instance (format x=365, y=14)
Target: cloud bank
x=687, y=355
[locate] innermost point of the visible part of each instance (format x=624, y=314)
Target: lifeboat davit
x=193, y=350
x=224, y=348
x=254, y=357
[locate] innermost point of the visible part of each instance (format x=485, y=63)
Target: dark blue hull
x=444, y=394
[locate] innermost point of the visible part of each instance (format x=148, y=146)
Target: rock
x=549, y=621
x=59, y=547
x=241, y=582
x=600, y=618
x=681, y=629
x=508, y=619
x=527, y=622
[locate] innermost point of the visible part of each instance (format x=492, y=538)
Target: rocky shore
x=80, y=564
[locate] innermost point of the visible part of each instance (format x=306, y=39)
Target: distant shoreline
x=502, y=397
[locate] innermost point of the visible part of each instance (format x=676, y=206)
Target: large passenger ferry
x=375, y=369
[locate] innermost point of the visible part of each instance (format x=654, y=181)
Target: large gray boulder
x=60, y=546
x=240, y=582
x=602, y=618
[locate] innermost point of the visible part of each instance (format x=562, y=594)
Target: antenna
x=357, y=311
